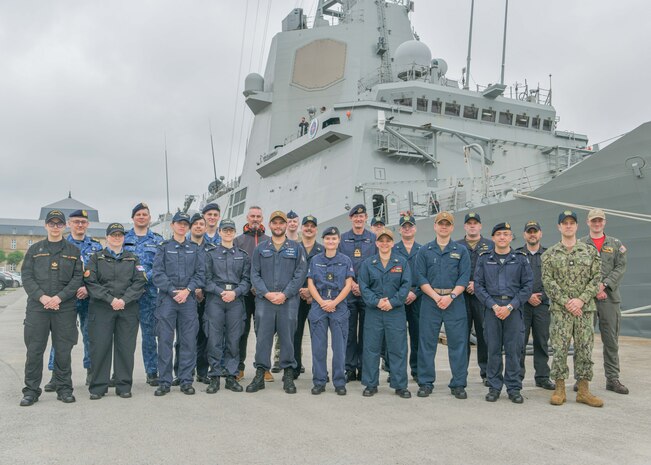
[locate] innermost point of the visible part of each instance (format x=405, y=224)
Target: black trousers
x=112, y=337
x=475, y=311
x=37, y=328
x=536, y=322
x=249, y=309
x=355, y=341
x=303, y=310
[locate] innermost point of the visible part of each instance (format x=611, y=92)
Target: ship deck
x=271, y=427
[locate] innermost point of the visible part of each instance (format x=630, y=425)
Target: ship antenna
x=212, y=147
x=167, y=179
x=466, y=84
x=506, y=14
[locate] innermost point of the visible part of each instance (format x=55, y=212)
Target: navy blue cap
x=472, y=216
x=227, y=224
x=55, y=215
x=408, y=219
x=308, y=219
x=566, y=214
x=357, y=209
x=211, y=206
x=181, y=216
x=501, y=227
x=376, y=220
x=291, y=214
x=114, y=227
x=532, y=225
x=331, y=231
x=137, y=208
x=196, y=217
x=78, y=214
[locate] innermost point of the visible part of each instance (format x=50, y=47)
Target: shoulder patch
x=622, y=249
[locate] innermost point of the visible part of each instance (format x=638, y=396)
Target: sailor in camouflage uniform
x=571, y=272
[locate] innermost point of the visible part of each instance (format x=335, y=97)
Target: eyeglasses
x=55, y=224
x=79, y=222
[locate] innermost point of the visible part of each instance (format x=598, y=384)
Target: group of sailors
x=383, y=301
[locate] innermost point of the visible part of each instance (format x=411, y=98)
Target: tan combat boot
x=558, y=397
x=585, y=397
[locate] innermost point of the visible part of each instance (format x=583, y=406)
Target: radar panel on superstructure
x=319, y=64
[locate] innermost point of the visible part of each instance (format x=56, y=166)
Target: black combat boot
x=258, y=381
x=214, y=385
x=233, y=385
x=288, y=381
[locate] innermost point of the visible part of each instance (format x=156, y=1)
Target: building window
x=12, y=267
x=452, y=109
x=506, y=118
x=535, y=122
x=522, y=121
x=13, y=244
x=29, y=243
x=470, y=112
x=421, y=104
x=547, y=125
x=488, y=115
x=436, y=107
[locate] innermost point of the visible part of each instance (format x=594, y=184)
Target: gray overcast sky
x=88, y=89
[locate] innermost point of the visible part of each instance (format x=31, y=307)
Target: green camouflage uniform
x=613, y=266
x=567, y=275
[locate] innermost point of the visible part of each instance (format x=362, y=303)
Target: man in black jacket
x=52, y=273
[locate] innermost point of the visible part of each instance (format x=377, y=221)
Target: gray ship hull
x=605, y=180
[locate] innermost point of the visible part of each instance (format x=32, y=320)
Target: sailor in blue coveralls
x=278, y=270
x=228, y=271
x=144, y=242
x=503, y=284
x=329, y=280
x=179, y=270
x=358, y=244
x=385, y=280
x=78, y=224
x=443, y=270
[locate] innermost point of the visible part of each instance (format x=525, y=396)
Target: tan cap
x=596, y=213
x=278, y=214
x=385, y=232
x=444, y=216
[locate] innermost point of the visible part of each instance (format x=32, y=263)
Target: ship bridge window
x=547, y=124
x=506, y=118
x=330, y=122
x=421, y=104
x=237, y=201
x=488, y=115
x=379, y=210
x=436, y=106
x=535, y=122
x=470, y=112
x=522, y=121
x=452, y=109
x=405, y=101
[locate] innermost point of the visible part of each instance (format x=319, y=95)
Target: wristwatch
x=453, y=295
x=509, y=307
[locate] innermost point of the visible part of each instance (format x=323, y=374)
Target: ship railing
x=523, y=92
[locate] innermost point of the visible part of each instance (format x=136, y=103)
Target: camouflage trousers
x=565, y=327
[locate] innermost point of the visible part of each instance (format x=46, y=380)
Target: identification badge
x=330, y=277
x=357, y=253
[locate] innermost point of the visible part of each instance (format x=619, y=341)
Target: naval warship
x=387, y=128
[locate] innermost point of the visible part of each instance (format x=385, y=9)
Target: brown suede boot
x=585, y=397
x=558, y=397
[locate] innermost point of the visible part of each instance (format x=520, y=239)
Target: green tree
x=14, y=258
x=3, y=256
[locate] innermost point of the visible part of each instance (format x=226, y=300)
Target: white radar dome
x=412, y=59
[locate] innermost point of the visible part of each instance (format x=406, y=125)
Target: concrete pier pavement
x=271, y=427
